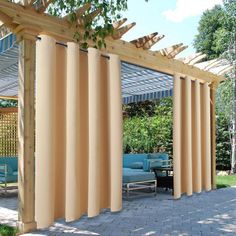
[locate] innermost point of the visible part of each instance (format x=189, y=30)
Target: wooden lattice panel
x=8, y=132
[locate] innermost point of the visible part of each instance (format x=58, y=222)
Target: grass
x=225, y=181
x=7, y=230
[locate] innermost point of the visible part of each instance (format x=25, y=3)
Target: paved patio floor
x=212, y=213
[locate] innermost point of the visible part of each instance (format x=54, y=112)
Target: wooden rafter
x=214, y=63
x=118, y=33
x=174, y=53
x=89, y=17
x=173, y=50
x=211, y=64
x=62, y=30
x=190, y=57
x=152, y=41
x=193, y=59
x=197, y=59
x=80, y=11
x=142, y=40
x=119, y=23
x=4, y=30
x=225, y=70
x=31, y=2
x=168, y=50
x=44, y=6
x=7, y=20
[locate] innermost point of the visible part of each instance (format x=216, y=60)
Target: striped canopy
x=8, y=66
x=138, y=83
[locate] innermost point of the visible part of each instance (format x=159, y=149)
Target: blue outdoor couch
x=8, y=169
x=137, y=167
x=138, y=174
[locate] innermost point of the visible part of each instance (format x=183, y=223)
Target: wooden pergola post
x=213, y=88
x=26, y=130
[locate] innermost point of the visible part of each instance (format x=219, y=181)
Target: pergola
x=144, y=75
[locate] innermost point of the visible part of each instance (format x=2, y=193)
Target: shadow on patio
x=212, y=213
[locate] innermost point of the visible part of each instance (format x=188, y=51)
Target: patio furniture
x=137, y=171
x=164, y=177
x=8, y=170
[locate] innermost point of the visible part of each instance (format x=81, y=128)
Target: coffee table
x=164, y=181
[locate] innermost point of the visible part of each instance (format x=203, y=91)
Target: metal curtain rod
x=81, y=49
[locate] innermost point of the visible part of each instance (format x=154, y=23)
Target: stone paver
x=212, y=213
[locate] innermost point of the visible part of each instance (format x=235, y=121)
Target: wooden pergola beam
x=82, y=20
x=118, y=33
x=45, y=5
x=193, y=59
x=152, y=42
x=168, y=50
x=142, y=40
x=177, y=51
x=210, y=64
x=62, y=30
x=225, y=70
x=119, y=23
x=172, y=51
x=79, y=12
x=7, y=20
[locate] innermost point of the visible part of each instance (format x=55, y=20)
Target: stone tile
x=212, y=213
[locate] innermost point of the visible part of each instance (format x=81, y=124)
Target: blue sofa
x=11, y=173
x=137, y=167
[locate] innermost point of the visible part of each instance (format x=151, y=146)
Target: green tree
x=8, y=103
x=148, y=125
x=216, y=38
x=211, y=38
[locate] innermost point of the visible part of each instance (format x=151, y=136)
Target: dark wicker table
x=164, y=181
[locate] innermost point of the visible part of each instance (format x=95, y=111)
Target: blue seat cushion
x=10, y=161
x=128, y=159
x=9, y=178
x=136, y=165
x=151, y=163
x=160, y=155
x=136, y=175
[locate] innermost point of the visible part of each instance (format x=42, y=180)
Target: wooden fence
x=8, y=132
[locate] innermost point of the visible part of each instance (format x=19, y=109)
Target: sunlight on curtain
x=78, y=132
x=191, y=136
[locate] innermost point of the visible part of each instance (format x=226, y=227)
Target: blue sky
x=176, y=19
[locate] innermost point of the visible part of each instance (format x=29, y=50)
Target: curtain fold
x=191, y=136
x=78, y=132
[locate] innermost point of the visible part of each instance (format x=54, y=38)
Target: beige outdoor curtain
x=191, y=136
x=78, y=132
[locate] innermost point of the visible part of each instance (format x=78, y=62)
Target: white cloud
x=189, y=8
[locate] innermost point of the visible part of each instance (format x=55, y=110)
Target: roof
x=146, y=74
x=138, y=51
x=8, y=66
x=138, y=83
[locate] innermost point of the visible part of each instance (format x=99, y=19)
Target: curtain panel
x=191, y=136
x=78, y=132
